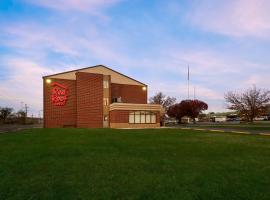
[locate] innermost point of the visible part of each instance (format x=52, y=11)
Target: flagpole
x=188, y=81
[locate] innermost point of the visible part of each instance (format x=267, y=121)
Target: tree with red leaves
x=190, y=108
x=194, y=108
x=176, y=111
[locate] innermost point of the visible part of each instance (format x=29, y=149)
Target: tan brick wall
x=60, y=116
x=129, y=93
x=89, y=100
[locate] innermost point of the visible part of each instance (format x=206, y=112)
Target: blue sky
x=225, y=42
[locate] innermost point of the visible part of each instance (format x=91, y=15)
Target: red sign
x=59, y=94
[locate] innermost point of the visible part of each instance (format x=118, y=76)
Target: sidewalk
x=221, y=130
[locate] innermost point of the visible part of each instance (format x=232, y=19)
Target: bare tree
x=165, y=101
x=4, y=113
x=250, y=103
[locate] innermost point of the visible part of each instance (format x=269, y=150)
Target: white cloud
x=24, y=84
x=238, y=18
x=261, y=80
x=93, y=6
x=84, y=44
x=89, y=43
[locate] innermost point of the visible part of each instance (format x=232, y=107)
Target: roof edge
x=76, y=70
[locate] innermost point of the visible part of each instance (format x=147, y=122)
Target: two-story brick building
x=96, y=97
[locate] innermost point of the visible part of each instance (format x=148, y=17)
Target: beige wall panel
x=115, y=77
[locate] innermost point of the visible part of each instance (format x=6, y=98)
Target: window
x=142, y=117
x=105, y=84
x=137, y=117
x=153, y=118
x=148, y=119
x=131, y=117
x=114, y=100
x=117, y=100
x=105, y=101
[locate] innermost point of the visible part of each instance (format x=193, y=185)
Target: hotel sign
x=59, y=94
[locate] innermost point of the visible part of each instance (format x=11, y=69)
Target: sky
x=226, y=43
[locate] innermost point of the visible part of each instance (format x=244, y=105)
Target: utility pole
x=26, y=109
x=39, y=116
x=194, y=95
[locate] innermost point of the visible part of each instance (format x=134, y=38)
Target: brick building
x=96, y=97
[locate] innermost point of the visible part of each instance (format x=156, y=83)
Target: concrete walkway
x=224, y=130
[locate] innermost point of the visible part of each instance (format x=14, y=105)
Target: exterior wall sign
x=59, y=94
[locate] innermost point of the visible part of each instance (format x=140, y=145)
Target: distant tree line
x=8, y=116
x=247, y=104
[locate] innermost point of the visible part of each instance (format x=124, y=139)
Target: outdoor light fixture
x=144, y=88
x=48, y=80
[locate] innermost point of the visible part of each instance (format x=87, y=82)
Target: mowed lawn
x=133, y=164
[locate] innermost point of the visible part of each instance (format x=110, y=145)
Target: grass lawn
x=133, y=164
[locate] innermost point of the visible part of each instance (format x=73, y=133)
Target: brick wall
x=60, y=116
x=129, y=93
x=119, y=116
x=89, y=100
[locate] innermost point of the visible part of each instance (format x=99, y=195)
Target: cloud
x=74, y=5
x=260, y=80
x=24, y=84
x=164, y=70
x=37, y=49
x=77, y=48
x=237, y=18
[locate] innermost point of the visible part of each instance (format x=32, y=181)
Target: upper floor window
x=116, y=100
x=105, y=84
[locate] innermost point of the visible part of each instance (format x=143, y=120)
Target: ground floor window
x=142, y=117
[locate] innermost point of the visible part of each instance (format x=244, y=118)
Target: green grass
x=133, y=164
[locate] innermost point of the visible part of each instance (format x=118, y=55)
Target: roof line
x=77, y=70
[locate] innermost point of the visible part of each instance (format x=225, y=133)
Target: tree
x=190, y=108
x=161, y=99
x=4, y=113
x=250, y=103
x=176, y=111
x=21, y=116
x=193, y=108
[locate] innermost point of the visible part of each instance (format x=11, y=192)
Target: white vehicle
x=220, y=119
